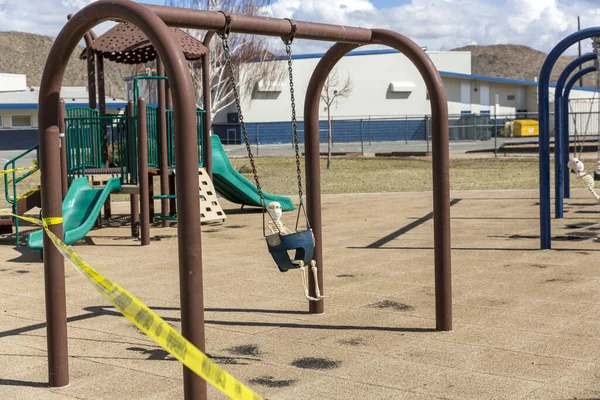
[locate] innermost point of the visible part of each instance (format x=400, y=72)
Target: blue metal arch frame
x=565, y=121
x=561, y=157
x=544, y=114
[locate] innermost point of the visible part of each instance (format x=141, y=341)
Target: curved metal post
x=561, y=142
x=441, y=182
x=544, y=139
x=189, y=244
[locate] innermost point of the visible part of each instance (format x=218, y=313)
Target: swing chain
x=238, y=105
x=288, y=49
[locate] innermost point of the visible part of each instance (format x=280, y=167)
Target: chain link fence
x=372, y=130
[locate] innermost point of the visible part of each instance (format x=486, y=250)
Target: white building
x=19, y=103
x=19, y=109
x=388, y=92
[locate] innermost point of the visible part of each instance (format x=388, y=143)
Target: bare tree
x=333, y=91
x=253, y=52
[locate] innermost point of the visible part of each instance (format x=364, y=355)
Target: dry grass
x=373, y=175
x=413, y=174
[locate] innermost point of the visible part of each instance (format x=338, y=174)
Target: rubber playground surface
x=526, y=322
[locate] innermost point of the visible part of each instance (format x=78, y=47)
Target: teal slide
x=234, y=186
x=80, y=209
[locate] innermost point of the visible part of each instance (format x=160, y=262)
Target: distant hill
x=26, y=53
x=515, y=62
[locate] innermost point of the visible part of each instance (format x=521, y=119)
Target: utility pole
x=579, y=44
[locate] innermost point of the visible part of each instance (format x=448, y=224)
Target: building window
x=510, y=97
x=20, y=121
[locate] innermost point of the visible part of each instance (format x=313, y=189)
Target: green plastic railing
x=152, y=126
x=171, y=137
x=83, y=140
x=11, y=181
x=85, y=136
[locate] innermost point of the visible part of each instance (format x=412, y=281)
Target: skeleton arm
x=588, y=180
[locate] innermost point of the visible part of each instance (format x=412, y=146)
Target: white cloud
x=437, y=24
x=445, y=24
x=45, y=17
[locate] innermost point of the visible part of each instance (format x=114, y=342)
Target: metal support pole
x=151, y=197
x=369, y=130
x=163, y=142
x=62, y=129
x=257, y=139
x=102, y=110
x=172, y=190
x=91, y=70
x=134, y=207
x=206, y=94
x=362, y=141
x=142, y=138
x=427, y=133
x=54, y=266
x=496, y=125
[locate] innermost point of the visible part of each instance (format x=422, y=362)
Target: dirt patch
x=559, y=280
x=351, y=342
x=245, y=350
x=270, y=381
x=315, y=363
x=394, y=305
x=158, y=238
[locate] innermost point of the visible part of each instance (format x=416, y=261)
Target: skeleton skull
x=575, y=165
x=274, y=209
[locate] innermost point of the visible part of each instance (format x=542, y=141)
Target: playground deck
x=527, y=322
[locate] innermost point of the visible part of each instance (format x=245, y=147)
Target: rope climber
x=282, y=240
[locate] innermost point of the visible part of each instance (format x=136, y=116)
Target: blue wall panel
x=343, y=131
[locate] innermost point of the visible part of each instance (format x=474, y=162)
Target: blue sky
x=436, y=24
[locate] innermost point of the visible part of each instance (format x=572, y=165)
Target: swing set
x=305, y=244
x=281, y=241
x=575, y=164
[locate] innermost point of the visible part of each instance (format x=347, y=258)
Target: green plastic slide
x=80, y=209
x=234, y=186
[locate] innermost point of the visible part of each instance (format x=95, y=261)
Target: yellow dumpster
x=525, y=127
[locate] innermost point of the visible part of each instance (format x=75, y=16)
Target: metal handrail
x=12, y=164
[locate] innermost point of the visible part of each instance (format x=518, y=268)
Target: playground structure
x=153, y=21
x=561, y=139
x=102, y=146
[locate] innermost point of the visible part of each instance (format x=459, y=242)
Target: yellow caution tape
x=10, y=171
x=149, y=322
x=30, y=193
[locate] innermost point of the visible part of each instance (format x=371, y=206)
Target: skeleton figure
x=577, y=167
x=276, y=225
